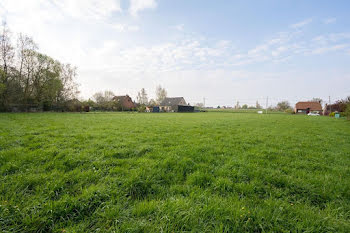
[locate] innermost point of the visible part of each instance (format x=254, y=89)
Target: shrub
x=282, y=106
x=347, y=111
x=289, y=110
x=332, y=114
x=141, y=108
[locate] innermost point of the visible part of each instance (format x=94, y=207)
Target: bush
x=141, y=108
x=332, y=114
x=289, y=110
x=347, y=111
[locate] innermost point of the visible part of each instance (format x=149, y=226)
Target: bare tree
x=27, y=51
x=26, y=48
x=199, y=105
x=318, y=100
x=161, y=94
x=6, y=50
x=142, y=97
x=70, y=87
x=237, y=106
x=101, y=97
x=152, y=102
x=6, y=61
x=257, y=105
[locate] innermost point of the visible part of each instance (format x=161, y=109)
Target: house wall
x=305, y=111
x=300, y=111
x=128, y=104
x=182, y=102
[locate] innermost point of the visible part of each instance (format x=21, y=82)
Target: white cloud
x=79, y=9
x=330, y=20
x=85, y=35
x=125, y=27
x=88, y=9
x=179, y=27
x=331, y=48
x=139, y=5
x=301, y=24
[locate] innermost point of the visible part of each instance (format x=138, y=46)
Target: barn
x=170, y=104
x=185, y=108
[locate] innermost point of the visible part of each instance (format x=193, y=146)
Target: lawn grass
x=173, y=172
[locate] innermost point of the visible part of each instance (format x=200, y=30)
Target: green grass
x=200, y=172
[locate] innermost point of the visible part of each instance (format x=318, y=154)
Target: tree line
x=30, y=79
x=103, y=100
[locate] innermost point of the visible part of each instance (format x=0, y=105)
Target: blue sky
x=225, y=51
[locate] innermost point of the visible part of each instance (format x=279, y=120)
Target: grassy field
x=200, y=172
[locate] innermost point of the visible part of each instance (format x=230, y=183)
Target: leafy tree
x=347, y=111
x=29, y=78
x=283, y=105
x=244, y=106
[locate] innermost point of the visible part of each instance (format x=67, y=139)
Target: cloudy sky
x=223, y=51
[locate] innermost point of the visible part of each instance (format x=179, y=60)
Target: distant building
x=125, y=102
x=185, y=108
x=339, y=106
x=175, y=104
x=170, y=104
x=307, y=107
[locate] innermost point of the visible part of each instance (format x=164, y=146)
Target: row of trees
x=245, y=106
x=104, y=100
x=142, y=97
x=32, y=80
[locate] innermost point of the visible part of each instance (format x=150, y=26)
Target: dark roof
x=172, y=101
x=120, y=97
x=313, y=106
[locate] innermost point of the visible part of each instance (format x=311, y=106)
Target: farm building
x=125, y=102
x=307, y=107
x=185, y=108
x=339, y=106
x=170, y=104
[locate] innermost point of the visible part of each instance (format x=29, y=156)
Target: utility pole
x=267, y=103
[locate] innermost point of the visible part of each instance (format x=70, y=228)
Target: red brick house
x=307, y=107
x=125, y=102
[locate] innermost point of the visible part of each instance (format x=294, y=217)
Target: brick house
x=307, y=107
x=125, y=102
